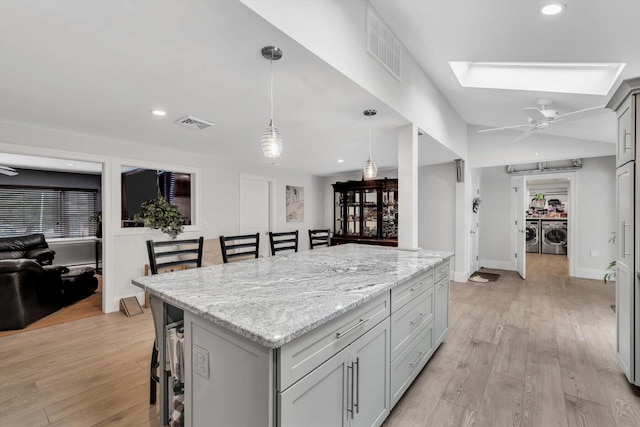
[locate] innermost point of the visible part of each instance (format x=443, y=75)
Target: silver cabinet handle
x=414, y=321
x=341, y=334
x=624, y=239
x=350, y=382
x=357, y=388
x=413, y=289
x=625, y=140
x=415, y=362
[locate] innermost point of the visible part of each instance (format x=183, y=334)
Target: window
x=54, y=212
x=140, y=185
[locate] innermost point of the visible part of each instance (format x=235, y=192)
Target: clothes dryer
x=533, y=235
x=554, y=237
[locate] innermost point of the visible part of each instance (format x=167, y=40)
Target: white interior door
x=519, y=223
x=257, y=203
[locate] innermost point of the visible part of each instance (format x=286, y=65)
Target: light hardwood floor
x=537, y=352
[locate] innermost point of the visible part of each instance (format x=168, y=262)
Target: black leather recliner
x=28, y=292
x=33, y=246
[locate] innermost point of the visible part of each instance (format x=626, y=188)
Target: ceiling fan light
x=370, y=170
x=271, y=141
x=552, y=8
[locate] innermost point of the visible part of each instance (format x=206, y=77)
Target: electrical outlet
x=204, y=225
x=200, y=358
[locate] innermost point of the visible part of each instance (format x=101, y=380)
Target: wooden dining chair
x=168, y=256
x=286, y=241
x=319, y=238
x=236, y=247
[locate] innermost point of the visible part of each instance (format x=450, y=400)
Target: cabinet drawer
x=442, y=271
x=407, y=322
x=304, y=354
x=408, y=364
x=406, y=292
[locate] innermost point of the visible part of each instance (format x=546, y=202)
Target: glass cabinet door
x=390, y=213
x=338, y=227
x=370, y=213
x=353, y=213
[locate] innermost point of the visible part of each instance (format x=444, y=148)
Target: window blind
x=56, y=213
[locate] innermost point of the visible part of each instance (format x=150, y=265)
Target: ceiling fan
x=6, y=170
x=541, y=117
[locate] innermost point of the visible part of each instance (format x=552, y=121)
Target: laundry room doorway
x=550, y=212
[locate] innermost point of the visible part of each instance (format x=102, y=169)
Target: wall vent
x=382, y=44
x=193, y=123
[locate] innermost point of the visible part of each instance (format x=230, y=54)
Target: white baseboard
x=460, y=277
x=498, y=265
x=591, y=273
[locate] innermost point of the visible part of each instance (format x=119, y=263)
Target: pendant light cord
x=271, y=72
x=369, y=137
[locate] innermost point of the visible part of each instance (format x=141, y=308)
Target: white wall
x=594, y=220
x=124, y=250
x=436, y=206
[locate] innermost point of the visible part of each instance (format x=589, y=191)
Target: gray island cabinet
x=329, y=337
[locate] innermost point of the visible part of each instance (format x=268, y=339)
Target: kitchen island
x=331, y=336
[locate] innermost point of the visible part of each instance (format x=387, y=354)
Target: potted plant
x=160, y=214
x=97, y=218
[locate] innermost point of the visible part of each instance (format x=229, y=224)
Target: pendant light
x=271, y=139
x=370, y=169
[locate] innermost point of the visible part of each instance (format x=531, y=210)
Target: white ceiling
x=597, y=31
x=99, y=67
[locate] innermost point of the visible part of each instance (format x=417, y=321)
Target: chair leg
x=154, y=378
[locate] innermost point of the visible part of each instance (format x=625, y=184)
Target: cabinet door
x=320, y=398
x=371, y=360
x=441, y=325
x=624, y=268
x=626, y=144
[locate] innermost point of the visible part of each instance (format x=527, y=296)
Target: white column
x=408, y=187
x=464, y=199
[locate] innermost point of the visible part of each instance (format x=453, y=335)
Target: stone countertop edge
x=163, y=286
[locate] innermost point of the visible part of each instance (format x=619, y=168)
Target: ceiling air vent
x=193, y=123
x=382, y=44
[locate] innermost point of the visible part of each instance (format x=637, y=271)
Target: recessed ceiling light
x=158, y=113
x=552, y=8
x=70, y=164
x=340, y=160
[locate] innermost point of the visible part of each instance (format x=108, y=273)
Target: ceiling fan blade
x=6, y=170
x=573, y=113
x=524, y=134
x=535, y=113
x=505, y=127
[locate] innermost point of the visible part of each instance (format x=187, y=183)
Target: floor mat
x=492, y=277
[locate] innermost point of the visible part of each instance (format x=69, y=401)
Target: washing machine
x=533, y=235
x=554, y=237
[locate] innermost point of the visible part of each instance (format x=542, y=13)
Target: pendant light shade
x=370, y=170
x=271, y=139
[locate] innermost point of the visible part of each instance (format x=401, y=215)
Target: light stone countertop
x=274, y=300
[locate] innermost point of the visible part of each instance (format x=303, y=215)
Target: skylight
x=579, y=78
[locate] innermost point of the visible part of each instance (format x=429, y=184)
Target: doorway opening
x=550, y=212
x=71, y=222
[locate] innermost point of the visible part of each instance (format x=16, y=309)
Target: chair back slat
x=319, y=238
x=285, y=241
x=167, y=254
x=239, y=246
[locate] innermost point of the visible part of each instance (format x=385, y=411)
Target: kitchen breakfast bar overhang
x=328, y=337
